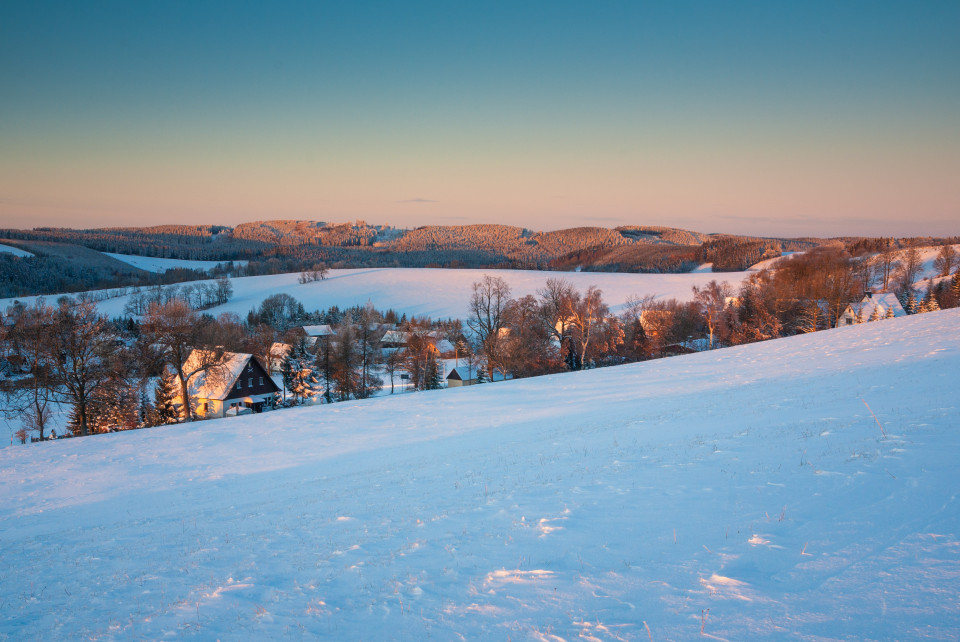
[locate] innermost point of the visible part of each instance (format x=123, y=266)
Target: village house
x=277, y=354
x=317, y=335
x=461, y=376
x=872, y=307
x=238, y=384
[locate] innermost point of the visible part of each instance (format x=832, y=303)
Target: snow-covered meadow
x=442, y=293
x=437, y=293
x=804, y=487
x=16, y=251
x=158, y=265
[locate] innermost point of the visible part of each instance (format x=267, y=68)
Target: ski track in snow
x=753, y=481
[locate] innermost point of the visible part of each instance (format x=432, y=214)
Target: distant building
x=461, y=376
x=317, y=335
x=872, y=307
x=277, y=354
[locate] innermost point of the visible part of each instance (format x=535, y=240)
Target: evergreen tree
x=911, y=304
x=573, y=359
x=299, y=373
x=636, y=344
x=434, y=376
x=117, y=406
x=371, y=352
x=324, y=365
x=345, y=363
x=145, y=411
x=165, y=410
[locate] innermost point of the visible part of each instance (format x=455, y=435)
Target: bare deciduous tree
x=173, y=331
x=946, y=259
x=488, y=304
x=712, y=301
x=81, y=344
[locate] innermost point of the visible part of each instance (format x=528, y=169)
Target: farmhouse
x=237, y=384
x=872, y=307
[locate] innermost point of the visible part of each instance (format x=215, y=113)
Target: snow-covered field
x=441, y=293
x=16, y=251
x=437, y=293
x=153, y=264
x=739, y=494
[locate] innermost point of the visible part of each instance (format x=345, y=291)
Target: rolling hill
x=804, y=487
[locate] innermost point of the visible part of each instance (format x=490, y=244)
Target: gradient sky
x=799, y=118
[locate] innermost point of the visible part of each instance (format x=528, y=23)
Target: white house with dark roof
x=237, y=384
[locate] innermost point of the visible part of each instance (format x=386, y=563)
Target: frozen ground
x=739, y=494
x=153, y=264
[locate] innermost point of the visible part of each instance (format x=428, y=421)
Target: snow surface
x=153, y=264
x=766, y=264
x=16, y=251
x=742, y=493
x=437, y=293
x=441, y=293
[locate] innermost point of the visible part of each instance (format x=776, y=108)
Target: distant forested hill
x=69, y=260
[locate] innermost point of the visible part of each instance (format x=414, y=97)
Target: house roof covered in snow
x=324, y=330
x=279, y=349
x=215, y=382
x=462, y=373
x=881, y=302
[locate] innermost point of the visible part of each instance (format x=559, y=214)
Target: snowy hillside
x=434, y=292
x=158, y=265
x=16, y=251
x=743, y=493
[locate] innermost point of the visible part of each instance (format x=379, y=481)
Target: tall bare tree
x=371, y=354
x=945, y=261
x=712, y=301
x=887, y=262
x=81, y=344
x=911, y=262
x=556, y=314
x=488, y=305
x=172, y=331
x=587, y=315
x=27, y=330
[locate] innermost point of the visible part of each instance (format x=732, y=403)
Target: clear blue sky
x=816, y=118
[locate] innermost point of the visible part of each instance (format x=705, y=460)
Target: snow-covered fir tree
x=910, y=305
x=300, y=376
x=433, y=374
x=165, y=410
